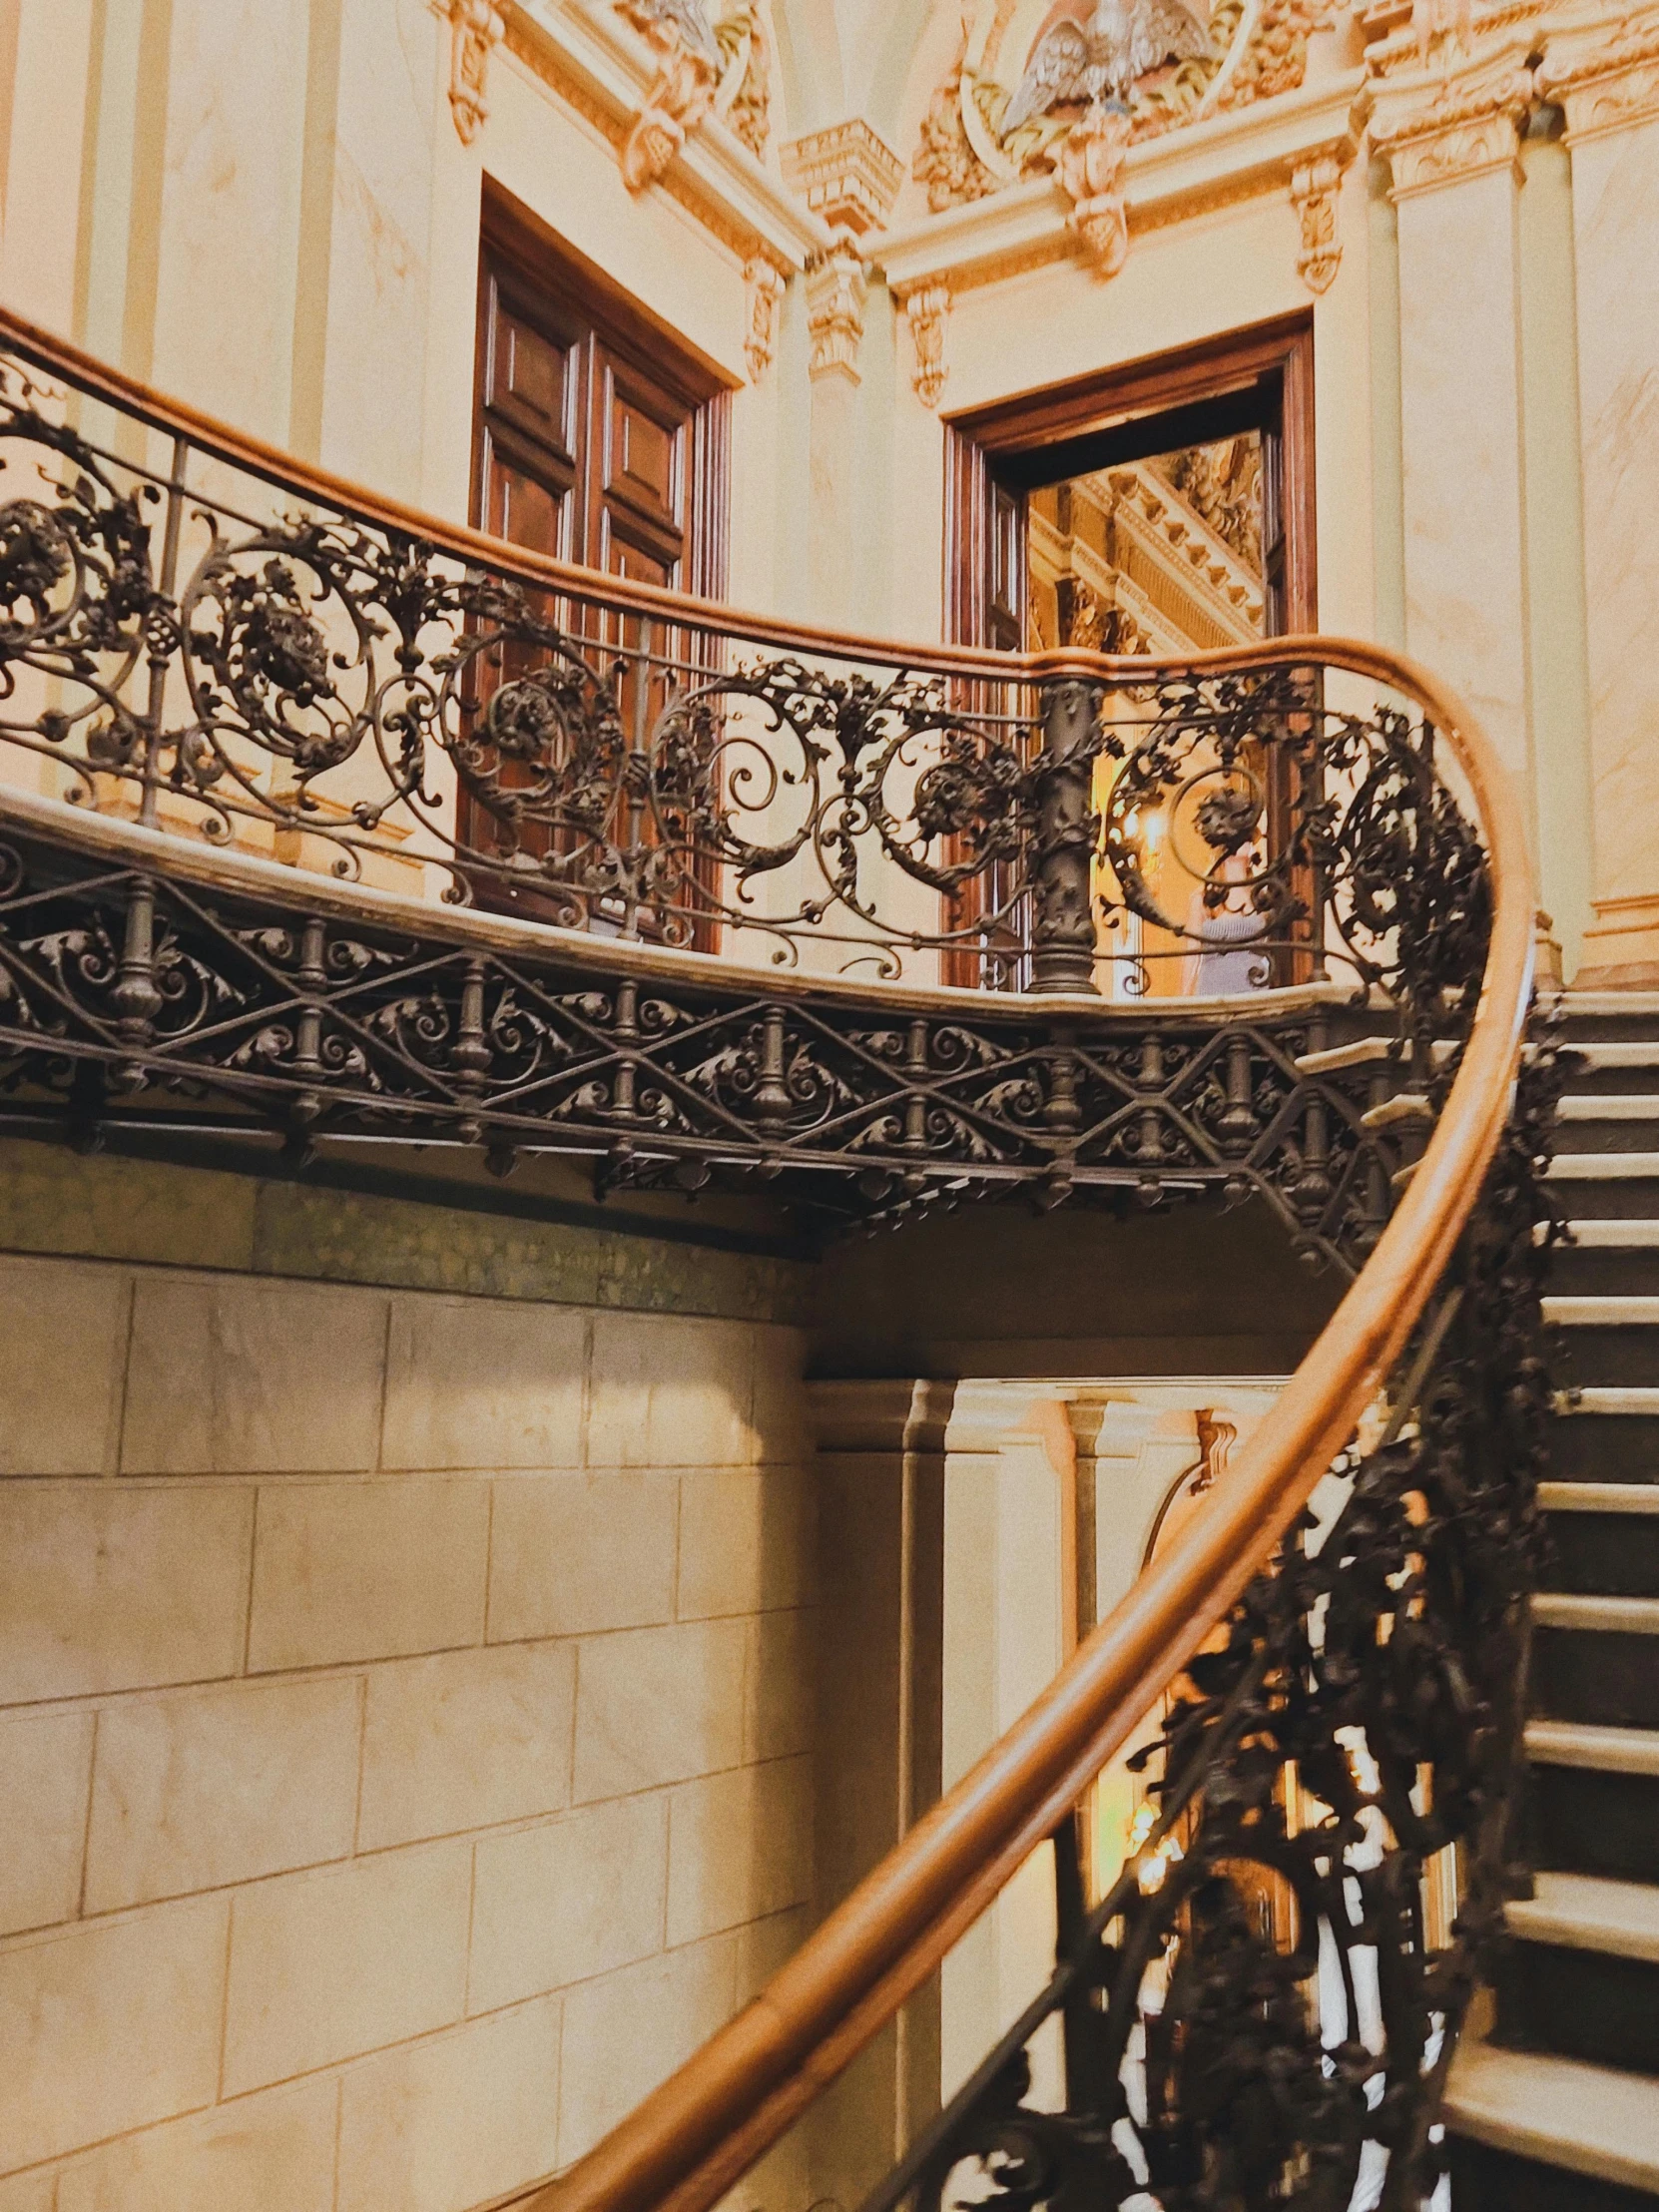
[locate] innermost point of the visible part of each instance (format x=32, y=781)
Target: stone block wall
x=404, y=1717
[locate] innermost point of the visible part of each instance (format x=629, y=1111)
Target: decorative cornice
x=475, y=31
x=836, y=286
x=1241, y=155
x=846, y=174
x=1604, y=74
x=585, y=55
x=1442, y=127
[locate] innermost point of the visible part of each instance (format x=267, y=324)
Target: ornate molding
x=1316, y=186
x=1229, y=160
x=927, y=311
x=1604, y=76
x=835, y=287
x=762, y=295
x=1088, y=166
x=846, y=174
x=1001, y=110
x=680, y=95
x=1455, y=126
x=477, y=29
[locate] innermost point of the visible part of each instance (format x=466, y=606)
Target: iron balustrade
x=324, y=825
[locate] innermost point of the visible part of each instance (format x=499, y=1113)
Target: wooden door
x=598, y=439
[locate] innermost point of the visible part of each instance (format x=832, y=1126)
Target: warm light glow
x=1151, y=1870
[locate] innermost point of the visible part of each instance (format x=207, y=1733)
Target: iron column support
x=1062, y=921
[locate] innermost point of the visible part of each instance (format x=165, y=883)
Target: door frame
x=1254, y=379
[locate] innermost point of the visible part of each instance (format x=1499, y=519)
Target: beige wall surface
x=406, y=1711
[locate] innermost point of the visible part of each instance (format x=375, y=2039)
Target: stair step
x=1579, y=1743
x=1619, y=1311
x=1588, y=1913
x=1602, y=1166
x=1621, y=1398
x=1487, y=2180
x=1610, y=1106
x=1599, y=1498
x=1616, y=1236
x=1592, y=1801
x=1596, y=1613
x=1598, y=1005
x=1601, y=1059
x=1577, y=2001
x=1587, y=2119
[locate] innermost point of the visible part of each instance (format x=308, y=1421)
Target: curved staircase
x=1557, y=2109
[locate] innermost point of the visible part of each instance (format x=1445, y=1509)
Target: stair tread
x=1635, y=1053
x=1599, y=1498
x=1606, y=1309
x=1560, y=2111
x=1610, y=1398
x=1616, y=1235
x=1610, y=1106
x=1596, y=1613
x=1599, y=1005
x=1591, y=1911
x=1584, y=1744
x=1602, y=1166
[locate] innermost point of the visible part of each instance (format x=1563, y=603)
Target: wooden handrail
x=685, y=2144
x=694, y=2135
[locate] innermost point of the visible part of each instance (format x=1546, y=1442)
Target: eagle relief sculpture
x=1067, y=86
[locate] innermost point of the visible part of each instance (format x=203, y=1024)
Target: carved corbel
x=1316, y=183
x=763, y=295
x=682, y=92
x=1605, y=81
x=927, y=311
x=836, y=289
x=1088, y=166
x=477, y=29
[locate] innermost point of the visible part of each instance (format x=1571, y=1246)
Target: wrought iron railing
x=325, y=821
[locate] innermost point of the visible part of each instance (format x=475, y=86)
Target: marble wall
x=1615, y=178
x=404, y=1703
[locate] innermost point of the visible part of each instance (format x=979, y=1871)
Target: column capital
x=1442, y=126
x=837, y=283
x=1603, y=72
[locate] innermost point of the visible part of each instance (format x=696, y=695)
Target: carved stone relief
x=704, y=65
x=835, y=290
x=1088, y=165
x=927, y=311
x=1315, y=185
x=1025, y=78
x=476, y=28
x=846, y=174
x=1605, y=78
x=763, y=294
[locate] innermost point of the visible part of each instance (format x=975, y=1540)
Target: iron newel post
x=1062, y=922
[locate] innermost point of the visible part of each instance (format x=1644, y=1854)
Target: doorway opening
x=1159, y=509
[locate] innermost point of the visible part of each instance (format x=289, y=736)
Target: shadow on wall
x=1007, y=1292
